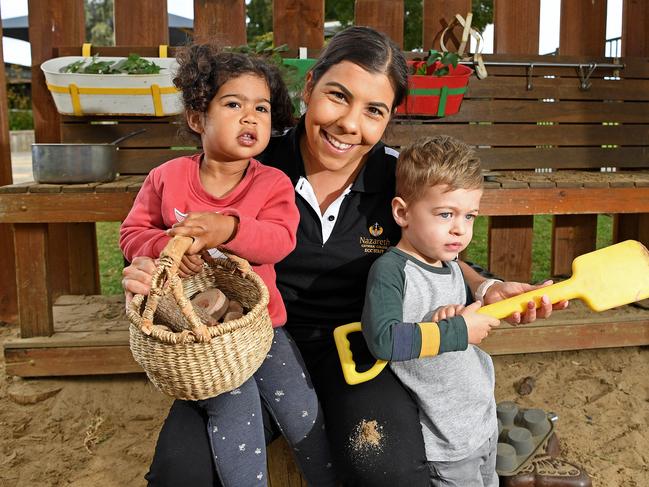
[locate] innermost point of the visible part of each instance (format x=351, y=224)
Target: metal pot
x=76, y=163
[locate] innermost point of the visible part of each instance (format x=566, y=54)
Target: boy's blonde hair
x=431, y=161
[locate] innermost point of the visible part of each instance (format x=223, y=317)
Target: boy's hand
x=208, y=229
x=503, y=290
x=478, y=325
x=190, y=265
x=444, y=312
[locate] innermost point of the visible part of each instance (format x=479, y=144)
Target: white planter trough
x=113, y=94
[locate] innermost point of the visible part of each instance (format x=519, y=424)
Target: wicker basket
x=205, y=361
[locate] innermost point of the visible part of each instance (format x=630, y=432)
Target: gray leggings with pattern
x=236, y=429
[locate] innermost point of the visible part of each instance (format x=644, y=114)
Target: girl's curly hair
x=204, y=68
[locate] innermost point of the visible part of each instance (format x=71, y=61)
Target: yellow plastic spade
x=603, y=279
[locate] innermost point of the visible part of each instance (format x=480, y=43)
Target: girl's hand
x=449, y=311
x=478, y=325
x=208, y=229
x=190, y=265
x=136, y=278
x=503, y=290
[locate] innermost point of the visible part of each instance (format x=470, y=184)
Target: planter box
x=113, y=94
x=436, y=96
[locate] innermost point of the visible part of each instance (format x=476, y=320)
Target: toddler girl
x=224, y=198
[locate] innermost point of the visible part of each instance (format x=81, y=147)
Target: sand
x=101, y=431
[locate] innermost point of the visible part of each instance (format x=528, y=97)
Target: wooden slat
x=8, y=306
x=577, y=233
x=141, y=161
x=223, y=21
x=298, y=23
x=558, y=201
x=521, y=135
x=437, y=15
x=516, y=26
x=61, y=361
x=58, y=243
x=558, y=88
x=141, y=23
x=51, y=23
x=34, y=303
x=114, y=206
x=156, y=135
x=93, y=351
x=563, y=158
x=65, y=207
x=383, y=15
x=150, y=50
x=514, y=111
x=84, y=260
x=510, y=247
x=583, y=27
x=506, y=340
x=635, y=35
x=282, y=470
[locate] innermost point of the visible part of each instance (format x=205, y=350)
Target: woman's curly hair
x=204, y=68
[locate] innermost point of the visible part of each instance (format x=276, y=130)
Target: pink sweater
x=264, y=203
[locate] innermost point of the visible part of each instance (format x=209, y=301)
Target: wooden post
x=635, y=42
x=516, y=27
x=438, y=14
x=516, y=31
x=583, y=28
x=223, y=21
x=383, y=15
x=52, y=23
x=298, y=23
x=583, y=32
x=141, y=23
x=7, y=261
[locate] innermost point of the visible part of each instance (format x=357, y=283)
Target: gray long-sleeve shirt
x=454, y=390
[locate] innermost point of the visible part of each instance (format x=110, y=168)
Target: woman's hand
x=444, y=312
x=136, y=278
x=504, y=290
x=478, y=325
x=209, y=230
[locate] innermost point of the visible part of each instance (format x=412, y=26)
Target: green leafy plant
x=438, y=62
x=133, y=64
x=263, y=46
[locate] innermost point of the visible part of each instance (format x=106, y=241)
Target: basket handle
x=166, y=276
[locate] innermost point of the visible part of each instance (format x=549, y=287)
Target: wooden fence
x=54, y=23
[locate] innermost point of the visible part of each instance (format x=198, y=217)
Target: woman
x=344, y=179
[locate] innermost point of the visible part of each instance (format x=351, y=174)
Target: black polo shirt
x=323, y=285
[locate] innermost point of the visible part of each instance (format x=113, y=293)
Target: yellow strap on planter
x=86, y=49
x=155, y=91
x=162, y=50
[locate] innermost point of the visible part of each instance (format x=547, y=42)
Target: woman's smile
x=338, y=145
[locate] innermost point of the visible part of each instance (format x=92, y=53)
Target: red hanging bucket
x=436, y=96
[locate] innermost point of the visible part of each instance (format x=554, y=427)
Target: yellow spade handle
x=501, y=309
x=560, y=291
x=352, y=377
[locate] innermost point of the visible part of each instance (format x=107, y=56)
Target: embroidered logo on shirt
x=180, y=216
x=376, y=230
x=374, y=245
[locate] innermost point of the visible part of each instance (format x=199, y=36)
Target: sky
x=16, y=51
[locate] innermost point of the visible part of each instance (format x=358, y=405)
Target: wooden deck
x=91, y=337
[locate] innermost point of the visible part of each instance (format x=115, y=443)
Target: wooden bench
x=516, y=130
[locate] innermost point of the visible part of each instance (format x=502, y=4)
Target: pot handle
x=127, y=136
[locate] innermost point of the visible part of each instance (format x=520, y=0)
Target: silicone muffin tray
x=521, y=434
